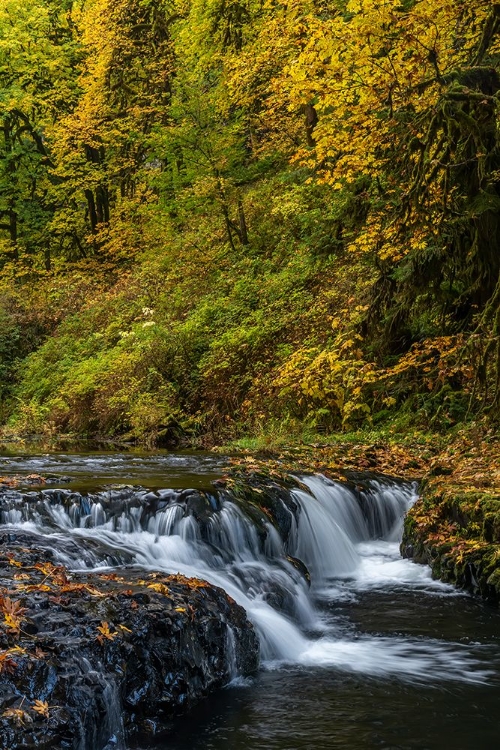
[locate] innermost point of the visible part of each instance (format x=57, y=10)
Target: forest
x=229, y=218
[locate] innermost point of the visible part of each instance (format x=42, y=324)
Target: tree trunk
x=242, y=223
x=311, y=122
x=91, y=210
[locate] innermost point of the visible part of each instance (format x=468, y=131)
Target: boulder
x=87, y=660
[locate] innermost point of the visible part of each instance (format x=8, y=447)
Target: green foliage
x=265, y=217
x=10, y=334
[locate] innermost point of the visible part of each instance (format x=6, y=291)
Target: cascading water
x=347, y=540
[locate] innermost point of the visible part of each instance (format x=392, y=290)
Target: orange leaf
x=42, y=708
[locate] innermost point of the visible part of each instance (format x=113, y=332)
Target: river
x=374, y=655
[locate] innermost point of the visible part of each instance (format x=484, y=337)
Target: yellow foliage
x=336, y=379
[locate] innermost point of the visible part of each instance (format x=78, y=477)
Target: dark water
x=323, y=708
x=359, y=696
x=306, y=711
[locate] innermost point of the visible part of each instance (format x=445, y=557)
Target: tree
x=126, y=89
x=37, y=84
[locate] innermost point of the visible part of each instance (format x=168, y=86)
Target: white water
x=349, y=545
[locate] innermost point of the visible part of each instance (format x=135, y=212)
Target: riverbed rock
x=88, y=659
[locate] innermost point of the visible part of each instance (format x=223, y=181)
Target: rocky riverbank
x=86, y=659
x=455, y=526
x=456, y=531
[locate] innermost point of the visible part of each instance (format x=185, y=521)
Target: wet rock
x=86, y=660
x=35, y=480
x=264, y=500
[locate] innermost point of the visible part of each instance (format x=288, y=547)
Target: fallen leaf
x=42, y=708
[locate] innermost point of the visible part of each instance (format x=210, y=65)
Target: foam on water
x=382, y=567
x=410, y=660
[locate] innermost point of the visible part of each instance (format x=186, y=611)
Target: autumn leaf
x=159, y=587
x=95, y=592
x=32, y=587
x=36, y=478
x=18, y=715
x=105, y=633
x=59, y=577
x=42, y=708
x=12, y=612
x=7, y=664
x=192, y=583
x=46, y=568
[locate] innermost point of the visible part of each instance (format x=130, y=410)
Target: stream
x=373, y=654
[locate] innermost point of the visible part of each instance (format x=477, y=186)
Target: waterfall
x=337, y=533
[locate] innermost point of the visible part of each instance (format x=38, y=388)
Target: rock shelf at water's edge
x=85, y=657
